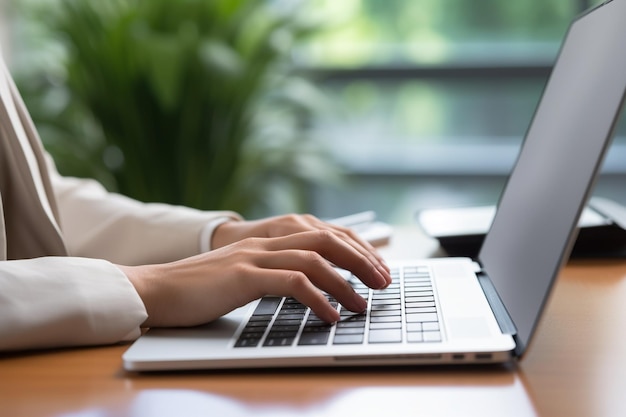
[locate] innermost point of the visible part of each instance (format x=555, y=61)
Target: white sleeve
x=99, y=224
x=207, y=232
x=66, y=301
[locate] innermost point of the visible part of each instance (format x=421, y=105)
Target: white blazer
x=60, y=238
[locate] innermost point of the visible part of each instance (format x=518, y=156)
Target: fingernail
x=333, y=317
x=381, y=281
x=384, y=270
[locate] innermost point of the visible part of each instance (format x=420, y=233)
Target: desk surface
x=575, y=366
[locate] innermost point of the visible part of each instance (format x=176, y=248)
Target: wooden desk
x=576, y=366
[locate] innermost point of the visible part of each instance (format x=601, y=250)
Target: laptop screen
x=531, y=234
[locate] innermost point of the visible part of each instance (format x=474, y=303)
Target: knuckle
x=313, y=261
x=293, y=218
x=345, y=233
x=309, y=217
x=250, y=245
x=241, y=270
x=250, y=241
x=323, y=236
x=300, y=220
x=297, y=281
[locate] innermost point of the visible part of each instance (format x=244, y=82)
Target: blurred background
x=266, y=107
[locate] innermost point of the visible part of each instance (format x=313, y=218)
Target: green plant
x=187, y=102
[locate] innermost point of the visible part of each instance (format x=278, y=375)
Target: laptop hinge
x=497, y=306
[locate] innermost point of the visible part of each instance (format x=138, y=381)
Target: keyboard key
x=378, y=307
x=351, y=315
x=421, y=317
x=257, y=324
x=342, y=324
x=392, y=325
x=388, y=296
x=432, y=337
x=273, y=334
x=420, y=304
x=419, y=299
x=313, y=338
x=278, y=341
x=414, y=327
x=260, y=317
x=279, y=322
x=418, y=292
x=350, y=330
x=430, y=326
x=348, y=339
x=267, y=306
x=417, y=284
x=410, y=310
x=245, y=342
x=385, y=319
x=290, y=316
x=414, y=337
x=385, y=336
x=381, y=313
x=280, y=328
x=387, y=302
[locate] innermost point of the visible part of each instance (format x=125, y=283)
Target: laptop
x=450, y=310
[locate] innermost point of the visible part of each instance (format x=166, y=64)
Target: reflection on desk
x=496, y=401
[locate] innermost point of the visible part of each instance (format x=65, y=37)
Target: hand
x=234, y=231
x=202, y=288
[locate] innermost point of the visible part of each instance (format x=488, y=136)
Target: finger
x=335, y=250
x=294, y=223
x=352, y=238
x=319, y=272
x=286, y=283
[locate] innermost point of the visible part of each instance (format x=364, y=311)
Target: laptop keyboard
x=405, y=311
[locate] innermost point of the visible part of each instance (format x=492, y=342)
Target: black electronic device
x=460, y=231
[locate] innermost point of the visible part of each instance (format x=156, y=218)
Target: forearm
x=105, y=225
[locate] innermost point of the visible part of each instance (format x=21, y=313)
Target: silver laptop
x=450, y=310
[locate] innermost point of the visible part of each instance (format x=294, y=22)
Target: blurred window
x=431, y=87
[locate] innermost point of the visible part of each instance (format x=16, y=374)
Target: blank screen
x=532, y=231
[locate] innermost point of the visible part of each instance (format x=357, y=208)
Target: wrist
x=225, y=233
x=146, y=279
